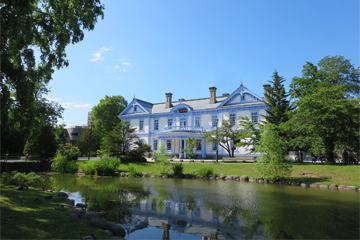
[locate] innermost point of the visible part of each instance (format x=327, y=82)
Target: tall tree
x=105, y=114
x=45, y=27
x=89, y=140
x=250, y=134
x=276, y=101
x=120, y=139
x=334, y=70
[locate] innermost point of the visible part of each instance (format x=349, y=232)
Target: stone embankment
x=243, y=178
x=79, y=212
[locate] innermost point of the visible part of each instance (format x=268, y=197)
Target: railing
x=183, y=128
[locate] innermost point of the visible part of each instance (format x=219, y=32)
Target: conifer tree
x=276, y=101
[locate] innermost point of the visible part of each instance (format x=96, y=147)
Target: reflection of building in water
x=199, y=222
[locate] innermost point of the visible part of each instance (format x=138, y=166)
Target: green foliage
x=276, y=101
x=224, y=134
x=105, y=114
x=272, y=163
x=190, y=145
x=178, y=168
x=46, y=26
x=162, y=159
x=106, y=166
x=205, y=171
x=89, y=140
x=88, y=169
x=250, y=134
x=70, y=151
x=133, y=171
x=119, y=140
x=61, y=164
x=22, y=179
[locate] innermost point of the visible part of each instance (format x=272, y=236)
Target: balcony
x=183, y=129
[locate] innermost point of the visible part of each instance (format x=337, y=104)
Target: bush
x=131, y=156
x=61, y=164
x=178, y=168
x=22, y=179
x=132, y=170
x=69, y=151
x=162, y=160
x=88, y=170
x=205, y=171
x=106, y=166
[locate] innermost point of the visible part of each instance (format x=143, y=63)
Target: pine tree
x=276, y=101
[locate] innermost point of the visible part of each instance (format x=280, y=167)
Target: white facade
x=171, y=123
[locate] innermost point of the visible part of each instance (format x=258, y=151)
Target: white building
x=172, y=122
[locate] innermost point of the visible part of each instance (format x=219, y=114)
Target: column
x=184, y=148
x=180, y=154
x=203, y=149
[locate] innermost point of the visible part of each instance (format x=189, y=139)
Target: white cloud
x=126, y=63
x=124, y=69
x=99, y=53
x=69, y=103
x=53, y=99
x=82, y=106
x=119, y=77
x=121, y=60
x=117, y=66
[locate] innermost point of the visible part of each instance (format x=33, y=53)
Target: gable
x=241, y=95
x=135, y=106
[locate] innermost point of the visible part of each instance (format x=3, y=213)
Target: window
x=170, y=121
x=135, y=108
x=168, y=144
x=141, y=141
x=243, y=98
x=214, y=146
x=197, y=121
x=198, y=144
x=214, y=121
x=232, y=118
x=155, y=145
x=254, y=117
x=156, y=125
x=141, y=125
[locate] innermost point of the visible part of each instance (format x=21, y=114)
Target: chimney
x=226, y=94
x=266, y=88
x=168, y=100
x=212, y=94
x=181, y=100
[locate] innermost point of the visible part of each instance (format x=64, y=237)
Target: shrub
x=106, y=166
x=162, y=160
x=69, y=151
x=205, y=171
x=23, y=179
x=61, y=164
x=178, y=168
x=132, y=156
x=88, y=170
x=132, y=170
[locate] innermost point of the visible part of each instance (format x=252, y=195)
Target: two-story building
x=170, y=123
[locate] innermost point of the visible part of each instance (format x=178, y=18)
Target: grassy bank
x=348, y=175
x=23, y=218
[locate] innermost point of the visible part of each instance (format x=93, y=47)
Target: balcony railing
x=183, y=129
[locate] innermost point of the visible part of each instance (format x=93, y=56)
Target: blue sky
x=147, y=48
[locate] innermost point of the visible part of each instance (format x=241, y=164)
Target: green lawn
x=327, y=174
x=22, y=218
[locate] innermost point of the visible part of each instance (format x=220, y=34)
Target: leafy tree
x=59, y=132
x=250, y=134
x=227, y=133
x=190, y=145
x=334, y=70
x=276, y=101
x=120, y=139
x=324, y=120
x=90, y=140
x=105, y=114
x=272, y=163
x=45, y=27
x=69, y=151
x=44, y=145
x=160, y=156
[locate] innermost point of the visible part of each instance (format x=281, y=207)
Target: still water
x=153, y=208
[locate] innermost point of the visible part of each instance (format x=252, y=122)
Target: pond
x=155, y=208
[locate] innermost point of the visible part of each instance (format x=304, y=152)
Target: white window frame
x=198, y=144
x=254, y=114
x=216, y=122
x=232, y=122
x=156, y=122
x=213, y=147
x=155, y=144
x=141, y=128
x=168, y=141
x=135, y=108
x=198, y=119
x=170, y=120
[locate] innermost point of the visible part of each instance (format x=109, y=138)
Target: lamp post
x=217, y=142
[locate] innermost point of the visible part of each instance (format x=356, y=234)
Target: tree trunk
x=330, y=147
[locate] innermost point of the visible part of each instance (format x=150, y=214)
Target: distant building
x=73, y=133
x=89, y=121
